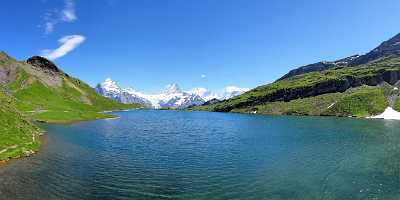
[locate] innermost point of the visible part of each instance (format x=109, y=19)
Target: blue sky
x=148, y=44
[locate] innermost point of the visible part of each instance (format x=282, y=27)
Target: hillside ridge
x=316, y=85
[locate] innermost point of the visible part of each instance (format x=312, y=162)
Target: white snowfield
x=389, y=113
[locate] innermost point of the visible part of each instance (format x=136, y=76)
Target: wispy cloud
x=52, y=17
x=68, y=13
x=203, y=76
x=226, y=93
x=49, y=27
x=68, y=43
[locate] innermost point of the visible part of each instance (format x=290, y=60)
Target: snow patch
x=389, y=113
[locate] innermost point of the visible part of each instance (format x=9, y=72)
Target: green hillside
x=18, y=136
x=45, y=93
x=37, y=90
x=358, y=90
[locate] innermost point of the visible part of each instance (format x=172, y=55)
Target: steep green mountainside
x=360, y=90
x=18, y=136
x=43, y=92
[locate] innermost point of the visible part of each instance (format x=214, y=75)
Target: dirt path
x=8, y=148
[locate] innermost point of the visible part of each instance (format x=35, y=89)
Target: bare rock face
x=43, y=63
x=45, y=70
x=7, y=68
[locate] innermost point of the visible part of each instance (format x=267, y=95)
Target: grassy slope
x=74, y=101
x=362, y=101
x=17, y=135
x=358, y=102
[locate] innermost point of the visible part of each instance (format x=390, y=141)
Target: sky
x=147, y=44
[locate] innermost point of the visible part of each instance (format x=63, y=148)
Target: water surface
x=198, y=155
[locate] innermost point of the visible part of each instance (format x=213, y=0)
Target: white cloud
x=68, y=43
x=226, y=93
x=199, y=91
x=55, y=16
x=68, y=13
x=203, y=76
x=231, y=91
x=233, y=88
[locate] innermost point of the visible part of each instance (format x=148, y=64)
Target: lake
x=147, y=154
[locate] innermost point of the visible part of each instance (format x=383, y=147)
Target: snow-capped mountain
x=227, y=93
x=205, y=94
x=110, y=89
x=172, y=97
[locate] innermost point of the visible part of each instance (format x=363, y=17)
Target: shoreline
x=382, y=116
x=43, y=138
x=75, y=121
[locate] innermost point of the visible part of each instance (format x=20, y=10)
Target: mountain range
x=359, y=86
x=172, y=97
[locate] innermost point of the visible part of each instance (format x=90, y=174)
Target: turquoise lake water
x=149, y=154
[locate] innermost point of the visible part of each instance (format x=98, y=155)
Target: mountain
x=46, y=93
x=37, y=90
x=205, y=94
x=319, y=66
x=386, y=49
x=110, y=89
x=172, y=97
x=358, y=86
x=389, y=48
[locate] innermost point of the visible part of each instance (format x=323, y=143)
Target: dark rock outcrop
x=319, y=66
x=43, y=63
x=212, y=101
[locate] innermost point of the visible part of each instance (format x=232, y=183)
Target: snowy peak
x=204, y=93
x=110, y=85
x=110, y=89
x=130, y=90
x=173, y=89
x=231, y=91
